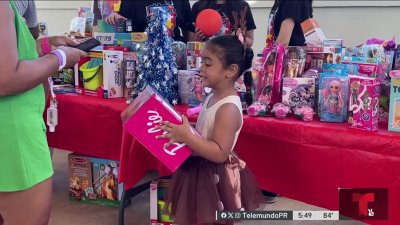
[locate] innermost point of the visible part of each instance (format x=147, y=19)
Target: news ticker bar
x=277, y=215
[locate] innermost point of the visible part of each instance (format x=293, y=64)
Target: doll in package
x=333, y=97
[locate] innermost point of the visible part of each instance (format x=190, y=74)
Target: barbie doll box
x=158, y=216
x=112, y=74
x=394, y=110
x=298, y=92
x=364, y=103
x=148, y=110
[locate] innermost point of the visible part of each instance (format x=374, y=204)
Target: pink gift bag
x=146, y=112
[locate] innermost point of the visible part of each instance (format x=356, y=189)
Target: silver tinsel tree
x=157, y=66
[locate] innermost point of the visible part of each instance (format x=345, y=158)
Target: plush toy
x=280, y=110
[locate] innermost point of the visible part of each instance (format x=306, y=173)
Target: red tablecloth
x=88, y=125
x=306, y=161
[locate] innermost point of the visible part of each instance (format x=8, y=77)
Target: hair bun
x=248, y=58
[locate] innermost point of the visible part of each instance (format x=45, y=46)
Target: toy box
x=112, y=74
x=298, y=92
x=191, y=89
x=148, y=110
x=105, y=182
x=122, y=39
x=394, y=107
x=193, y=55
x=333, y=97
x=64, y=77
x=93, y=180
x=364, y=69
x=317, y=56
x=269, y=80
x=129, y=68
x=336, y=43
x=396, y=60
x=80, y=178
x=312, y=32
x=364, y=103
x=293, y=61
x=157, y=192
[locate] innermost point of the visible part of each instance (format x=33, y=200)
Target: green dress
x=24, y=154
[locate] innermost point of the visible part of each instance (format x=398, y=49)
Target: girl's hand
x=113, y=18
x=175, y=132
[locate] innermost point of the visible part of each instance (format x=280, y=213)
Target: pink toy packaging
x=148, y=110
x=364, y=103
x=293, y=61
x=270, y=78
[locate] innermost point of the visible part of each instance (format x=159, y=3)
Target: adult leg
x=28, y=207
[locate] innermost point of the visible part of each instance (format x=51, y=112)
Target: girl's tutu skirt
x=199, y=188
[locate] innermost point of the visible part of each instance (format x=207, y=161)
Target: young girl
x=225, y=8
x=213, y=179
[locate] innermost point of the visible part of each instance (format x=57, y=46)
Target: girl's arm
x=218, y=148
x=285, y=33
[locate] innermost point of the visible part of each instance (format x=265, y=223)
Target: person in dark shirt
x=225, y=8
x=287, y=17
x=136, y=11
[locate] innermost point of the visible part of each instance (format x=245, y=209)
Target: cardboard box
x=157, y=191
x=191, y=89
x=312, y=32
x=298, y=92
x=364, y=103
x=394, y=107
x=149, y=109
x=93, y=180
x=193, y=58
x=80, y=177
x=105, y=181
x=317, y=56
x=112, y=74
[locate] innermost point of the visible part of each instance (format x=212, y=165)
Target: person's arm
x=250, y=25
x=196, y=34
x=285, y=33
x=249, y=38
x=31, y=19
x=184, y=19
x=218, y=148
x=19, y=76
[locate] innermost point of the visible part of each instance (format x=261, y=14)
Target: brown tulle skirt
x=199, y=188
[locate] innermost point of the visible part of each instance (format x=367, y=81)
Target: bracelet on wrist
x=62, y=58
x=45, y=44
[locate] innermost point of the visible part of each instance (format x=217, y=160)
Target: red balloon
x=209, y=22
